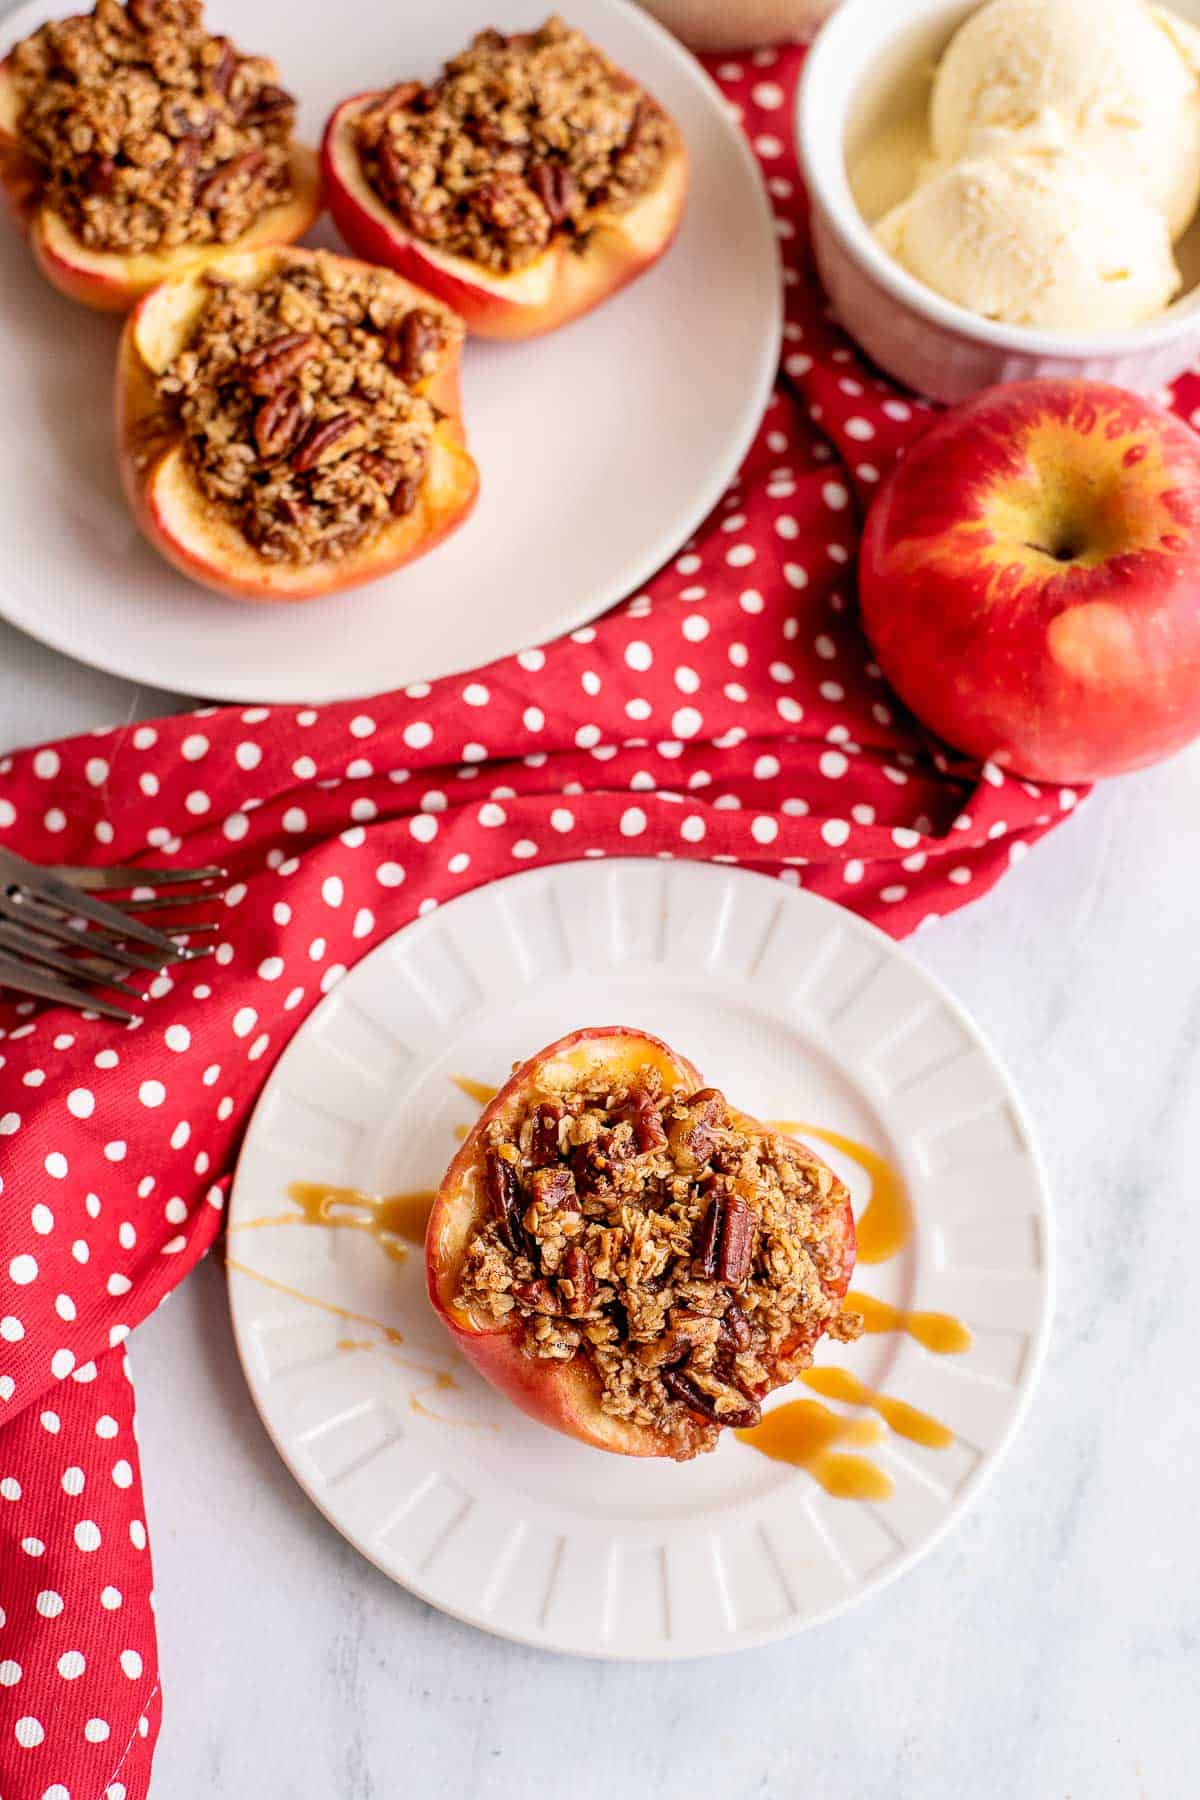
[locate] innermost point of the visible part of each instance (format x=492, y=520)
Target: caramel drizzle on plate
x=806, y=1434
x=440, y=1380
x=938, y=1332
x=481, y=1091
x=905, y=1420
x=390, y=1335
x=394, y=1221
x=882, y=1232
x=886, y=1223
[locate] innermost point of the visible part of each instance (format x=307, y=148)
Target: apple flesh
x=564, y=282
x=1029, y=578
x=198, y=537
x=565, y=1396
x=110, y=281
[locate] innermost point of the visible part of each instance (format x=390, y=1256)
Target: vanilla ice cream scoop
x=1038, y=238
x=1116, y=80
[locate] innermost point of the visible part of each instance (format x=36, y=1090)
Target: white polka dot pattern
x=731, y=711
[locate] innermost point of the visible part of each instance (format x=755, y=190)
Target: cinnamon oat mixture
x=515, y=142
x=299, y=399
x=654, y=1236
x=150, y=133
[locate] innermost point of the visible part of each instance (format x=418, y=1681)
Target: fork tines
x=57, y=940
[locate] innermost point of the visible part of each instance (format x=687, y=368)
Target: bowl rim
x=823, y=165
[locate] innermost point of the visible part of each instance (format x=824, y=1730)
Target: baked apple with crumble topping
x=525, y=185
x=288, y=423
x=630, y=1259
x=134, y=144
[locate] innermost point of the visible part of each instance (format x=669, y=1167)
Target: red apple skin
x=564, y=1396
x=562, y=285
x=109, y=282
x=179, y=521
x=1058, y=667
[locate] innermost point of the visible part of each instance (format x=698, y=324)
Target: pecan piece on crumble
x=504, y=1198
x=518, y=140
x=328, y=440
x=723, y=1405
x=298, y=423
x=726, y=1243
x=149, y=133
x=416, y=344
x=278, y=424
x=687, y=1255
x=265, y=368
x=577, y=1284
x=544, y=1144
x=647, y=1123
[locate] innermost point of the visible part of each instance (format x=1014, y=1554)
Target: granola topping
x=302, y=406
x=517, y=141
x=686, y=1258
x=150, y=133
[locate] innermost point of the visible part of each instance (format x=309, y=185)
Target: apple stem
x=1064, y=554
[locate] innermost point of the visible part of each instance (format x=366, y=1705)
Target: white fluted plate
x=796, y=1009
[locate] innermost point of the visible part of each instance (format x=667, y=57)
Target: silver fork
x=57, y=940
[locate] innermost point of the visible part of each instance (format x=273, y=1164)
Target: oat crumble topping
x=150, y=133
x=517, y=141
x=301, y=404
x=652, y=1234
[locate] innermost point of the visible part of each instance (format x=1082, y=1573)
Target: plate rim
x=634, y=574
x=965, y=1496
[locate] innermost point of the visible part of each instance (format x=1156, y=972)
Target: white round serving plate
x=601, y=447
x=796, y=1009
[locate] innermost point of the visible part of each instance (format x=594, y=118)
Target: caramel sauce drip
x=394, y=1221
x=805, y=1434
x=905, y=1420
x=481, y=1091
x=886, y=1224
x=390, y=1334
x=941, y=1333
x=440, y=1380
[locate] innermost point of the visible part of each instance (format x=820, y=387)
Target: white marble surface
x=1049, y=1650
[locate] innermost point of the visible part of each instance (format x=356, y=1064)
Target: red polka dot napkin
x=731, y=711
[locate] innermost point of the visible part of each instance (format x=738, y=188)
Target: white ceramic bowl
x=930, y=344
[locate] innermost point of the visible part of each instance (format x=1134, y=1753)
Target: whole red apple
x=1030, y=579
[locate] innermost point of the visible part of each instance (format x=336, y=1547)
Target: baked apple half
x=525, y=185
x=133, y=145
x=629, y=1258
x=288, y=423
